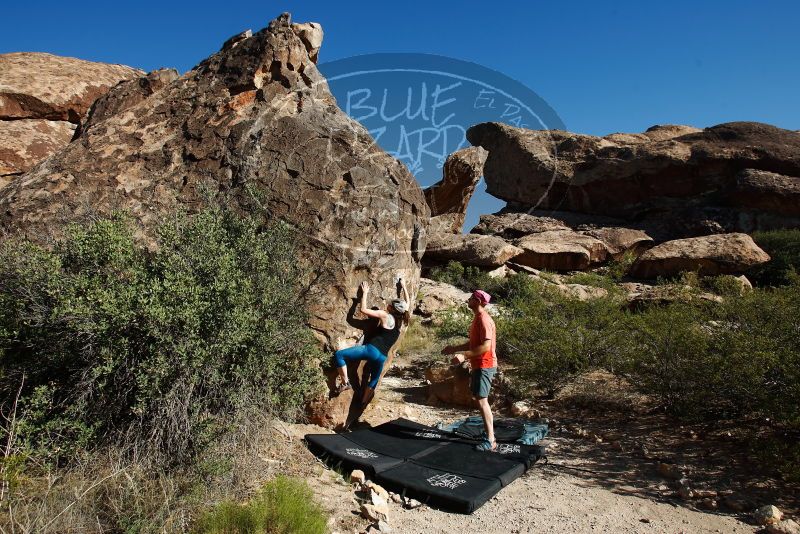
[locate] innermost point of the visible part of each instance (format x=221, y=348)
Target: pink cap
x=482, y=296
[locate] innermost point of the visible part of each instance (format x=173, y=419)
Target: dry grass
x=418, y=339
x=108, y=491
x=603, y=391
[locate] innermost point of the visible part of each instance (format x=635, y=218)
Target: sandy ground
x=573, y=493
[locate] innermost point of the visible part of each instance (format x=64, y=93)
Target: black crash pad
x=428, y=464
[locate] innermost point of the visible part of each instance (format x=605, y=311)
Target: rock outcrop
x=42, y=99
x=681, y=180
x=510, y=225
x=449, y=197
x=25, y=142
x=618, y=241
x=554, y=241
x=434, y=297
x=560, y=250
x=125, y=95
x=469, y=249
x=253, y=126
x=43, y=86
x=709, y=255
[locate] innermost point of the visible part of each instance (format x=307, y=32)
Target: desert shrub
x=757, y=339
x=617, y=268
x=783, y=246
x=725, y=285
x=110, y=342
x=667, y=353
x=739, y=357
x=592, y=279
x=552, y=338
x=469, y=278
x=454, y=322
x=284, y=506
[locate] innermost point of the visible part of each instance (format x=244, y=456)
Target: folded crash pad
x=522, y=431
x=433, y=466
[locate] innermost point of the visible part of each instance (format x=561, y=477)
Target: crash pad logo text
x=361, y=453
x=508, y=448
x=446, y=480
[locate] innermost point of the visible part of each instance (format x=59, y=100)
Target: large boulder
x=434, y=297
x=42, y=99
x=449, y=197
x=645, y=176
x=708, y=255
x=255, y=127
x=469, y=249
x=510, y=225
x=618, y=241
x=560, y=250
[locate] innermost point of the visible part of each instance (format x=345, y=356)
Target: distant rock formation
x=671, y=181
x=256, y=127
x=449, y=197
x=42, y=99
x=708, y=255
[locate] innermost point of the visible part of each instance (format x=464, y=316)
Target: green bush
x=156, y=349
x=284, y=506
x=469, y=278
x=738, y=357
x=552, y=338
x=593, y=280
x=619, y=267
x=667, y=352
x=454, y=322
x=756, y=337
x=783, y=246
x=699, y=358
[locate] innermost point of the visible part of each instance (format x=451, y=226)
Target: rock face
x=42, y=99
x=671, y=171
x=25, y=142
x=709, y=255
x=43, y=86
x=449, y=385
x=562, y=241
x=460, y=175
x=127, y=94
x=254, y=126
x=470, y=249
x=767, y=191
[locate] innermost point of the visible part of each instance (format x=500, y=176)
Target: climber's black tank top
x=384, y=338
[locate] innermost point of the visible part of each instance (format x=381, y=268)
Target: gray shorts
x=480, y=382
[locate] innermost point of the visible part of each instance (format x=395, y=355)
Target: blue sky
x=602, y=66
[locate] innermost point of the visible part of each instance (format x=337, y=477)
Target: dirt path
x=571, y=494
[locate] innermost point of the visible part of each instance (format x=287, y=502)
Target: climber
x=376, y=347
